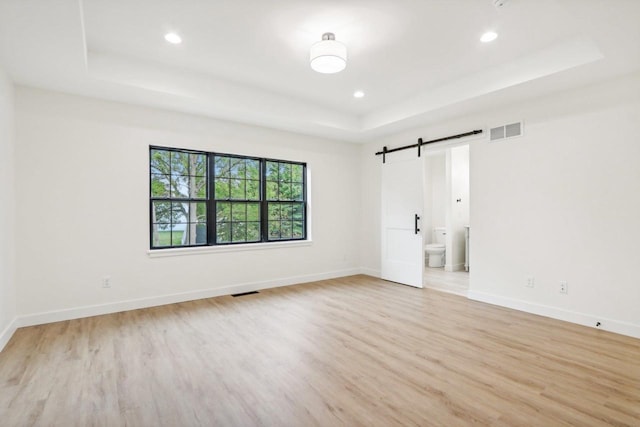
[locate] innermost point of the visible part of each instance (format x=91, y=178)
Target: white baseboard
x=8, y=332
x=115, y=307
x=454, y=267
x=611, y=325
x=623, y=328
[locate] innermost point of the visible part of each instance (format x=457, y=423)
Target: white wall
x=457, y=212
x=561, y=202
x=544, y=205
x=7, y=211
x=426, y=223
x=83, y=188
x=438, y=191
x=435, y=194
x=371, y=207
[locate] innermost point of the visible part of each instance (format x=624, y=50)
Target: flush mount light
x=173, y=38
x=358, y=94
x=489, y=36
x=328, y=56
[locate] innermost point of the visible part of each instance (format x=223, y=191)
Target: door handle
x=417, y=230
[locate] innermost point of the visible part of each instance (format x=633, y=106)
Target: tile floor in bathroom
x=455, y=282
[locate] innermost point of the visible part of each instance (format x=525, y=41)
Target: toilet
x=435, y=251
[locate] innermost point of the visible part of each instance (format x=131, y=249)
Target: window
x=285, y=200
x=178, y=198
x=200, y=199
x=237, y=199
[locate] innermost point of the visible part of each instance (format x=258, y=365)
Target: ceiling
x=248, y=60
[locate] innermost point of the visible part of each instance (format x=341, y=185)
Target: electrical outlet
x=106, y=282
x=564, y=288
x=530, y=282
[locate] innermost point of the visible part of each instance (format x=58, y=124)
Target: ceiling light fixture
x=489, y=36
x=173, y=38
x=358, y=94
x=328, y=56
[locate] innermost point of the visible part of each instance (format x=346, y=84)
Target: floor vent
x=504, y=132
x=244, y=293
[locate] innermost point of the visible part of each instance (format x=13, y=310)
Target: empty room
x=319, y=213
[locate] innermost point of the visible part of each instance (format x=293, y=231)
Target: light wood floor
x=352, y=351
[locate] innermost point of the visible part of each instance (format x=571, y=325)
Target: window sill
x=163, y=253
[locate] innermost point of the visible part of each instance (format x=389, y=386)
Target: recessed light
x=489, y=36
x=358, y=94
x=173, y=38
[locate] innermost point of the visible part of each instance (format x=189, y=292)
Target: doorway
x=446, y=218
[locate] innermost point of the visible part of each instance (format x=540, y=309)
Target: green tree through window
x=237, y=195
x=199, y=198
x=285, y=200
x=178, y=194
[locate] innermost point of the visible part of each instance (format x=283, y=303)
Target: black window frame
x=212, y=202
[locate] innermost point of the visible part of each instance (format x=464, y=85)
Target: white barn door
x=402, y=205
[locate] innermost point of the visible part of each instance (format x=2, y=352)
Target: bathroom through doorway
x=445, y=225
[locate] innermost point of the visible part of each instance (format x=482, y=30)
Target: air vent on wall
x=244, y=294
x=504, y=132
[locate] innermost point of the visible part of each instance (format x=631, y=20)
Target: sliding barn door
x=402, y=205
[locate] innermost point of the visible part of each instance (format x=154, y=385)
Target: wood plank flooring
x=353, y=351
